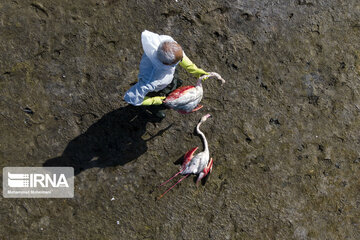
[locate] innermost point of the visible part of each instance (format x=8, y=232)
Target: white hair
x=165, y=54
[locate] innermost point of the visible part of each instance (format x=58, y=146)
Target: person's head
x=169, y=52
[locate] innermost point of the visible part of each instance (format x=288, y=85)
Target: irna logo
x=36, y=180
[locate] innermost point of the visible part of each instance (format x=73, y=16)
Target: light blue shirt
x=153, y=74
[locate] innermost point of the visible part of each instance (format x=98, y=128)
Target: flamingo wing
x=188, y=156
x=207, y=170
x=193, y=166
x=177, y=93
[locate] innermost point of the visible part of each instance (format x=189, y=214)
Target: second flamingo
x=200, y=164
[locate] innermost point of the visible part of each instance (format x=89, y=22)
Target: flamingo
x=186, y=99
x=199, y=164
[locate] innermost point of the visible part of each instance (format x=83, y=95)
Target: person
x=161, y=56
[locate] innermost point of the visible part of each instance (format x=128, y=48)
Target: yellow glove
x=153, y=101
x=207, y=76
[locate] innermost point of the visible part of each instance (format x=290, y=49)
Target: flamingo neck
x=206, y=148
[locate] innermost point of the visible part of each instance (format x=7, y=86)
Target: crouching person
x=157, y=68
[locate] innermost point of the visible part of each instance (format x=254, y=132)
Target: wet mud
x=284, y=135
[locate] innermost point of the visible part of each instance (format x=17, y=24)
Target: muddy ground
x=285, y=132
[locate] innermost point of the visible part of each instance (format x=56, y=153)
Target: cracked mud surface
x=284, y=135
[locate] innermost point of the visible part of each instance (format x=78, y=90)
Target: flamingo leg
x=173, y=186
x=197, y=108
x=169, y=179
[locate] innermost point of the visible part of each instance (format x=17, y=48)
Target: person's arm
x=191, y=68
x=136, y=96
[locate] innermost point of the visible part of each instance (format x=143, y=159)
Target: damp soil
x=284, y=135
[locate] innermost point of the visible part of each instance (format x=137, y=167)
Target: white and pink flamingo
x=200, y=164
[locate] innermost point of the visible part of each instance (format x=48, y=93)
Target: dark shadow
x=204, y=180
x=115, y=139
x=180, y=160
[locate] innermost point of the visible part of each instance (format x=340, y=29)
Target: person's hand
x=204, y=76
x=153, y=101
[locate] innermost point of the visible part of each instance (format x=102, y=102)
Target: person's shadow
x=115, y=139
